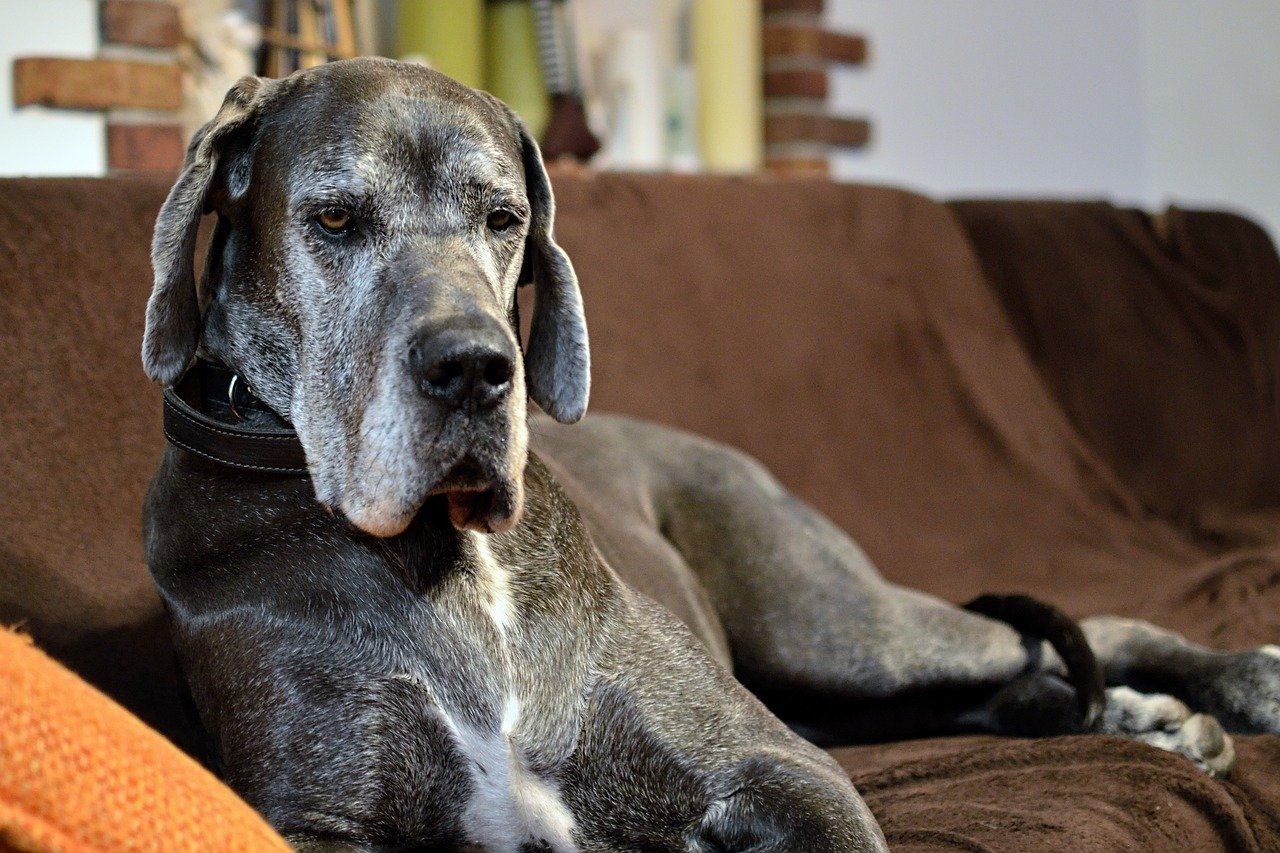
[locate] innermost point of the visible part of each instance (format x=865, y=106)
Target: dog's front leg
x=326, y=844
x=674, y=754
x=779, y=814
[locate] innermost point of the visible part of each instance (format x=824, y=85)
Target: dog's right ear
x=173, y=312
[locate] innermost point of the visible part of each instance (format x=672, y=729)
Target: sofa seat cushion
x=1084, y=793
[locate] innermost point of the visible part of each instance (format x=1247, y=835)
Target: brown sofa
x=1071, y=400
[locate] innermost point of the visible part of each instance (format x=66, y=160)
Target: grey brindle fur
x=429, y=644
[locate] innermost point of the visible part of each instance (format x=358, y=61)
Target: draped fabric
x=1069, y=400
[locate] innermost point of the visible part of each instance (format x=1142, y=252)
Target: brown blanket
x=846, y=335
x=1159, y=337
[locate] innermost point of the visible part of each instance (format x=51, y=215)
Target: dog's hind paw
x=1168, y=724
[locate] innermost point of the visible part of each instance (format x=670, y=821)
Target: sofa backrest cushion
x=1160, y=337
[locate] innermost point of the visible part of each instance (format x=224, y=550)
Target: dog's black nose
x=463, y=368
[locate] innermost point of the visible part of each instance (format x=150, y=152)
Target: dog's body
x=435, y=639
x=450, y=687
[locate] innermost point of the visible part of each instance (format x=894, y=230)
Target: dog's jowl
x=405, y=624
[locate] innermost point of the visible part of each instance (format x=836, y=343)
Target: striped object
x=551, y=50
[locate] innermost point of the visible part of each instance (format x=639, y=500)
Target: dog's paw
x=1245, y=693
x=1164, y=722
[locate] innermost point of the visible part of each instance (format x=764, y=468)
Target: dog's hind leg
x=842, y=654
x=802, y=606
x=1240, y=688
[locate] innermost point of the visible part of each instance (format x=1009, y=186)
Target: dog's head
x=373, y=221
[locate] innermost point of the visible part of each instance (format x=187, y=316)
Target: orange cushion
x=80, y=773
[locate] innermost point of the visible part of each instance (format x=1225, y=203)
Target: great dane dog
x=415, y=632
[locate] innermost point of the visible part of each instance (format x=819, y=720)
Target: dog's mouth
x=477, y=500
x=470, y=496
x=468, y=479
x=471, y=509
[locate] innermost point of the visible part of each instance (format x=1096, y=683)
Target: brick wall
x=136, y=79
x=800, y=131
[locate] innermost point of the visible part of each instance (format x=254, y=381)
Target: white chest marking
x=497, y=585
x=510, y=805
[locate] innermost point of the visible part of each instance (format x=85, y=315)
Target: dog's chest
x=513, y=801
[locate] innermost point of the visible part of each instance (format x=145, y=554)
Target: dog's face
x=374, y=219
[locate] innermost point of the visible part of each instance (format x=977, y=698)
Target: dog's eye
x=500, y=220
x=335, y=220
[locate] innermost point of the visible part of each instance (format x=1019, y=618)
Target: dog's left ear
x=173, y=312
x=558, y=358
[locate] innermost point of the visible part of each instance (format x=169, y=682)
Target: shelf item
x=727, y=68
x=448, y=35
x=513, y=69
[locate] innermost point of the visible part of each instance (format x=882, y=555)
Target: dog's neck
x=227, y=397
x=208, y=415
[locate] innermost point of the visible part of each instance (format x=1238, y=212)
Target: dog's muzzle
x=466, y=366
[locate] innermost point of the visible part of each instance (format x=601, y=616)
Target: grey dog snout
x=467, y=364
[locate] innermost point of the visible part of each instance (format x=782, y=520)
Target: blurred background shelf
x=1143, y=101
x=657, y=85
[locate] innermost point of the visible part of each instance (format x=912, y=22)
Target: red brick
x=796, y=83
x=96, y=84
x=816, y=127
x=145, y=147
x=140, y=22
x=813, y=42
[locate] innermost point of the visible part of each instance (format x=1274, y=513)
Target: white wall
x=1142, y=101
x=35, y=140
x=996, y=96
x=1212, y=97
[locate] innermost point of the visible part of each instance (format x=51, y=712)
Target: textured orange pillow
x=80, y=773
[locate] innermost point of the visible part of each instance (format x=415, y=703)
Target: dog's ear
x=173, y=312
x=557, y=358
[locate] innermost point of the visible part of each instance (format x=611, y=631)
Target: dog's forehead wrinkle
x=391, y=138
x=416, y=120
x=443, y=141
x=337, y=176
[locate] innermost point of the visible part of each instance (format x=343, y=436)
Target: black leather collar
x=208, y=388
